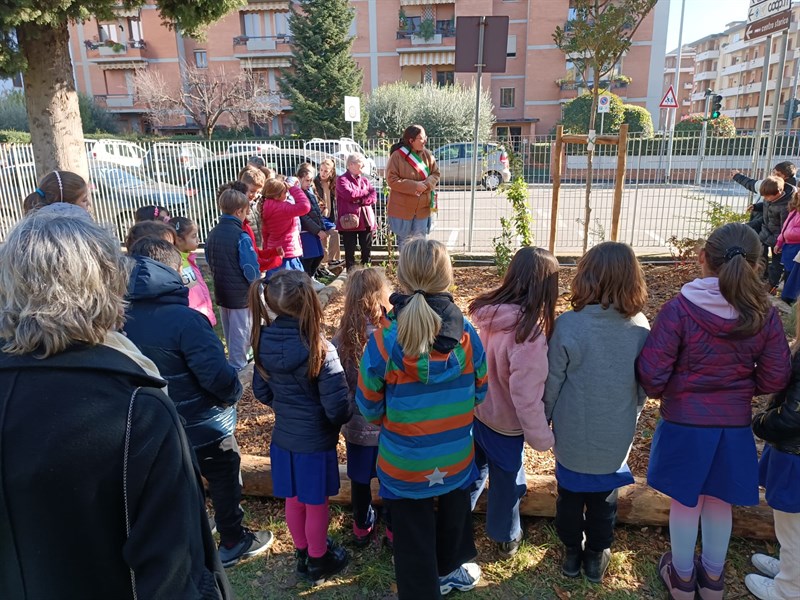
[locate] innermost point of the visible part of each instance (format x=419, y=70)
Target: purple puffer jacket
x=704, y=373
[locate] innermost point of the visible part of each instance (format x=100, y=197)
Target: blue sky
x=702, y=18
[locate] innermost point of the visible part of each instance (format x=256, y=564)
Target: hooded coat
x=425, y=404
x=189, y=355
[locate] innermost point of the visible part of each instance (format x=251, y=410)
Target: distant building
x=389, y=46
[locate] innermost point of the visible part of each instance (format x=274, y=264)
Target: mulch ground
x=663, y=282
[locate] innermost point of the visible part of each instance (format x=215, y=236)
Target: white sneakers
x=766, y=564
x=764, y=587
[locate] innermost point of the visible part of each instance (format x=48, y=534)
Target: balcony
x=132, y=52
x=688, y=85
x=256, y=49
x=120, y=103
x=683, y=69
x=412, y=31
x=707, y=55
x=705, y=76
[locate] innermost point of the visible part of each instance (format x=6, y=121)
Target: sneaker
x=678, y=588
x=509, y=549
x=334, y=561
x=762, y=587
x=323, y=272
x=362, y=536
x=252, y=543
x=301, y=568
x=766, y=564
x=595, y=564
x=464, y=578
x=335, y=263
x=707, y=587
x=573, y=556
x=317, y=285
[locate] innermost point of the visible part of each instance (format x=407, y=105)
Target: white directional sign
x=669, y=100
x=604, y=104
x=761, y=9
x=767, y=17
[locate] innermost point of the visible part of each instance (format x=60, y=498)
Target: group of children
x=431, y=406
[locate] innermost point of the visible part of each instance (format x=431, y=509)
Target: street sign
x=495, y=45
x=669, y=100
x=769, y=25
x=762, y=9
x=352, y=108
x=604, y=104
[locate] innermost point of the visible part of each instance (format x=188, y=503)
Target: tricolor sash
x=420, y=167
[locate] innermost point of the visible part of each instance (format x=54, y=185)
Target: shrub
x=15, y=137
x=94, y=118
x=577, y=112
x=638, y=119
x=720, y=127
x=13, y=115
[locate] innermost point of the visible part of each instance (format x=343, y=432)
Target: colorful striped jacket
x=425, y=408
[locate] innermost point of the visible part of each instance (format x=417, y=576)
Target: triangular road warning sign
x=669, y=100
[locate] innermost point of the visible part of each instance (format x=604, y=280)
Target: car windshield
x=122, y=178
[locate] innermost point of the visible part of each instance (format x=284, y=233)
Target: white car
x=252, y=148
x=116, y=152
x=341, y=149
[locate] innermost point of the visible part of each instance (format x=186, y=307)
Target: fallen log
x=638, y=504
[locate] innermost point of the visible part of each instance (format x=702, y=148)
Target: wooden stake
x=557, y=158
x=619, y=182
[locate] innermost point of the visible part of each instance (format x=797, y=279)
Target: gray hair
x=354, y=158
x=62, y=280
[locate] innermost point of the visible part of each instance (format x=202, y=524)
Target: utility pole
x=699, y=173
x=677, y=88
x=792, y=111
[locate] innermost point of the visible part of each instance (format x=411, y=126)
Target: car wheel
x=492, y=180
x=125, y=221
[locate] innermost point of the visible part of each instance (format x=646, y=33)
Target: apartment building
x=734, y=68
x=685, y=85
x=395, y=40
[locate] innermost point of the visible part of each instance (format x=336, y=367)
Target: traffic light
x=790, y=109
x=716, y=106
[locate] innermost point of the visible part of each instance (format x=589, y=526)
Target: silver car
x=455, y=164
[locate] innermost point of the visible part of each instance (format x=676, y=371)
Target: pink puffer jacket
x=280, y=227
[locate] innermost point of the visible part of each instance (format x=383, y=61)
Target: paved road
x=649, y=216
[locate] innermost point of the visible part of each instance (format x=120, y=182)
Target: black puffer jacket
x=775, y=213
x=779, y=425
x=308, y=413
x=311, y=222
x=187, y=352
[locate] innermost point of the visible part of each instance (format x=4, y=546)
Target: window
x=16, y=80
x=413, y=24
x=452, y=152
x=251, y=27
x=444, y=78
x=507, y=97
x=354, y=25
x=282, y=25
x=134, y=29
x=107, y=32
x=511, y=46
x=201, y=59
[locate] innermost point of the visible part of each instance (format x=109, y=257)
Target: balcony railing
x=111, y=49
x=113, y=101
x=443, y=31
x=256, y=43
x=604, y=85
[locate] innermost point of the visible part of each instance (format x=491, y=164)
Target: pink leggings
x=714, y=516
x=308, y=524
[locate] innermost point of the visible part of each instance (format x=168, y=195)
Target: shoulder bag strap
x=125, y=454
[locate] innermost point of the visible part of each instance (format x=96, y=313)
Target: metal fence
x=184, y=176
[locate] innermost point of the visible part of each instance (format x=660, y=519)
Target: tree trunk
x=638, y=504
x=587, y=206
x=52, y=102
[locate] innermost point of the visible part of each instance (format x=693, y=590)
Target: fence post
x=556, y=186
x=622, y=156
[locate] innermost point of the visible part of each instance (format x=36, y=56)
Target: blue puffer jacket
x=308, y=413
x=186, y=351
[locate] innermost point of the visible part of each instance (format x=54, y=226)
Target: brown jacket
x=402, y=179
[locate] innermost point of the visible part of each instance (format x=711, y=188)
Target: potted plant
x=401, y=16
x=427, y=29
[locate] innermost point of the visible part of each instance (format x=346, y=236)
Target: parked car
x=203, y=183
x=116, y=152
x=250, y=148
x=117, y=192
x=172, y=162
x=341, y=149
x=455, y=164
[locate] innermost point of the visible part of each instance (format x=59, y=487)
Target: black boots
x=595, y=564
x=573, y=555
x=333, y=562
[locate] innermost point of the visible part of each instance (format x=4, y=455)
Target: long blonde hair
x=365, y=292
x=289, y=293
x=423, y=268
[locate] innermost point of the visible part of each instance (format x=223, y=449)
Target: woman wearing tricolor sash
x=412, y=175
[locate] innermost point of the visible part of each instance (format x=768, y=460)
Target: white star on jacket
x=437, y=477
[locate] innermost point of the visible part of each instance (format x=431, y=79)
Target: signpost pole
x=676, y=88
x=602, y=120
x=479, y=65
x=792, y=97
x=699, y=173
x=761, y=102
x=776, y=101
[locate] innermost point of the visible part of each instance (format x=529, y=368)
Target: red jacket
x=355, y=196
x=281, y=223
x=267, y=259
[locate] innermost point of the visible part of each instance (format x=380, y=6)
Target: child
x=788, y=245
x=325, y=191
x=313, y=233
x=254, y=179
x=515, y=321
x=776, y=193
x=421, y=376
x=593, y=400
x=58, y=187
x=157, y=229
x=299, y=376
x=779, y=473
x=234, y=266
x=280, y=226
x=267, y=259
x=152, y=213
x=186, y=241
x=366, y=298
x=712, y=348
x=204, y=388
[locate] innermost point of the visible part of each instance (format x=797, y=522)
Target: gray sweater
x=591, y=394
